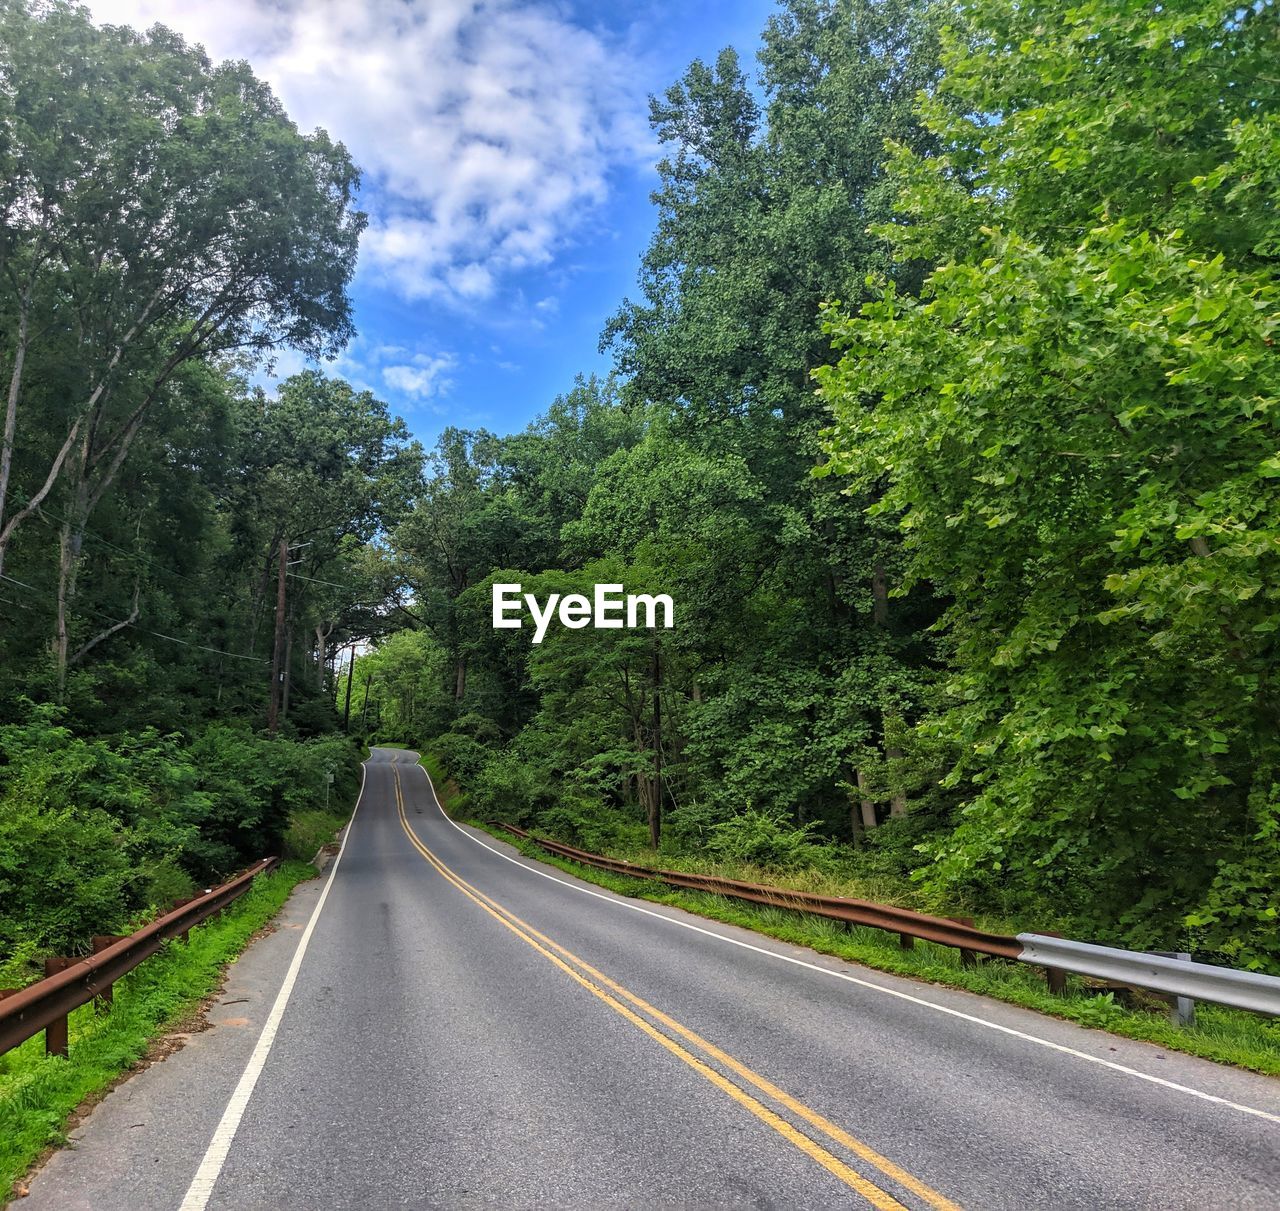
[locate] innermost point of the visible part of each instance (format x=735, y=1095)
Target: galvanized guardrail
x=70, y=983
x=1172, y=977
x=1175, y=977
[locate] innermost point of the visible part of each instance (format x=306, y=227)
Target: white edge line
x=201, y=1188
x=841, y=975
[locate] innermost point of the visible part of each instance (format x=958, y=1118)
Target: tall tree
x=1076, y=434
x=156, y=209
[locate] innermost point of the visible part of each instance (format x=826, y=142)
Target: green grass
x=309, y=830
x=37, y=1093
x=452, y=799
x=1228, y=1036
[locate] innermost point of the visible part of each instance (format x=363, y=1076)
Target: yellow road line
x=528, y=933
x=812, y=1117
x=872, y=1193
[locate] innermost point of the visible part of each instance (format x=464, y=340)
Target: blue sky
x=508, y=165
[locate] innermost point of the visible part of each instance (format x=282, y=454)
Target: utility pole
x=364, y=714
x=351, y=676
x=277, y=651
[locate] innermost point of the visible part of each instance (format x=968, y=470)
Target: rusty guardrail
x=908, y=925
x=70, y=983
x=1176, y=978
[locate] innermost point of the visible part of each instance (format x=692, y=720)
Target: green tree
x=155, y=209
x=1075, y=432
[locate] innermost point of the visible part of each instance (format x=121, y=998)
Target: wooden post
x=277, y=650
x=351, y=676
x=968, y=958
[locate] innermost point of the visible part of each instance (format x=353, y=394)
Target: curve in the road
x=591, y=978
x=893, y=992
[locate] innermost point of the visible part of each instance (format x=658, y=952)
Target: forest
x=944, y=410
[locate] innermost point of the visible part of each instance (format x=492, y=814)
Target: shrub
x=462, y=756
x=768, y=840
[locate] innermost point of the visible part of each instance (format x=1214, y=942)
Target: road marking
x=798, y=1108
x=201, y=1188
x=871, y=1192
x=1062, y=1048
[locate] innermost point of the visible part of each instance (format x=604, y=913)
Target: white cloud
x=423, y=377
x=486, y=128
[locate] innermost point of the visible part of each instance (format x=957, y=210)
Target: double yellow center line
x=629, y=1006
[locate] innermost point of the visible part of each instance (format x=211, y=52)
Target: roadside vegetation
x=38, y=1093
x=946, y=413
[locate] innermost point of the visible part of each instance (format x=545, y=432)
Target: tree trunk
x=277, y=650
x=11, y=406
x=867, y=806
x=67, y=560
x=656, y=796
x=288, y=665
x=351, y=676
x=70, y=542
x=323, y=631
x=460, y=679
x=364, y=713
x=880, y=596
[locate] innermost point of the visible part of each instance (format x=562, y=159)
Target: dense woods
x=163, y=221
x=994, y=611
x=945, y=412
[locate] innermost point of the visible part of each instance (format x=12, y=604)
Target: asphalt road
x=462, y=1027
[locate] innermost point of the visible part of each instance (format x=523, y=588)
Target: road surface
x=443, y=1023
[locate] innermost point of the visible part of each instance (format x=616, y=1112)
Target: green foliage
x=94, y=832
x=768, y=839
x=1074, y=430
x=310, y=830
x=589, y=824
x=508, y=786
x=463, y=756
x=63, y=871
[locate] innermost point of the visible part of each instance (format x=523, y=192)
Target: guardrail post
x=968, y=958
x=906, y=941
x=185, y=935
x=102, y=1002
x=1183, y=1008
x=1055, y=977
x=55, y=1034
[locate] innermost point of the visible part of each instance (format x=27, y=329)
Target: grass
x=451, y=796
x=37, y=1094
x=309, y=830
x=1227, y=1036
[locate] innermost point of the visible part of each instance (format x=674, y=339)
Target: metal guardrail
x=908, y=925
x=1172, y=977
x=71, y=983
x=1176, y=977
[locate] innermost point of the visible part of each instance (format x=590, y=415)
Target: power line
x=133, y=626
